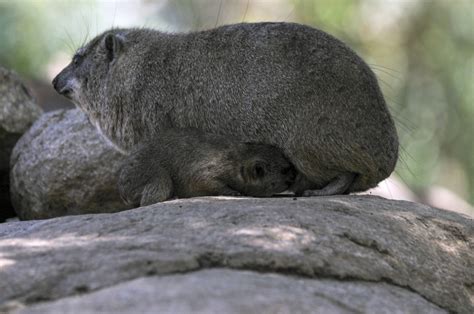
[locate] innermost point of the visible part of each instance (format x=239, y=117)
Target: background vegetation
x=422, y=52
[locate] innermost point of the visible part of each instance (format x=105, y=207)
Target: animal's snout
x=65, y=91
x=61, y=85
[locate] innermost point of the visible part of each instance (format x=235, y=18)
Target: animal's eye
x=76, y=59
x=286, y=170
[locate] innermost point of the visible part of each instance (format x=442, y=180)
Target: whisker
x=403, y=124
x=196, y=19
x=386, y=72
x=402, y=179
x=96, y=20
x=218, y=13
x=388, y=189
x=404, y=165
x=86, y=39
x=405, y=151
x=68, y=45
x=386, y=84
x=290, y=14
x=245, y=12
x=115, y=14
x=383, y=67
x=74, y=48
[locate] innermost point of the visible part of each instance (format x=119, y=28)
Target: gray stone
x=62, y=166
x=18, y=111
x=233, y=291
x=395, y=245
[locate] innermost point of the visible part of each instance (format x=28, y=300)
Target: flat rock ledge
x=344, y=254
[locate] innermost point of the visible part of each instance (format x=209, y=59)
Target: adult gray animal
x=283, y=84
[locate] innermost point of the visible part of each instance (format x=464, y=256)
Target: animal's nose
x=61, y=86
x=55, y=83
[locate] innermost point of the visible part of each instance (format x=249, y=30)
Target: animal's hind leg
x=339, y=185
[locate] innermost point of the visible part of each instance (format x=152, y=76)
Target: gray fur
x=188, y=163
x=283, y=84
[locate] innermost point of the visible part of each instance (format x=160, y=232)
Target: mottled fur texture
x=188, y=163
x=283, y=84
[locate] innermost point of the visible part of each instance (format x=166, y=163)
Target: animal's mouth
x=66, y=92
x=65, y=86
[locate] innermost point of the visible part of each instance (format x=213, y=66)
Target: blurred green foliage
x=31, y=32
x=422, y=52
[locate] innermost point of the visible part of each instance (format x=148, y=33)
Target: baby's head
x=264, y=171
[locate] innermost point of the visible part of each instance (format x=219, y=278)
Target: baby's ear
x=258, y=170
x=113, y=45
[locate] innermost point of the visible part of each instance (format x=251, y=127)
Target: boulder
x=235, y=291
x=18, y=111
x=238, y=255
x=62, y=166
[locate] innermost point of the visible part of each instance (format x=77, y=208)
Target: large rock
x=62, y=166
x=234, y=291
x=333, y=254
x=18, y=111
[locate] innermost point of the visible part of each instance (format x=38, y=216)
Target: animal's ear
x=113, y=45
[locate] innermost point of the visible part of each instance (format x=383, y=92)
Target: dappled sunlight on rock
x=230, y=197
x=402, y=216
x=207, y=198
x=343, y=202
x=62, y=241
x=280, y=238
x=223, y=198
x=28, y=243
x=198, y=224
x=450, y=248
x=5, y=262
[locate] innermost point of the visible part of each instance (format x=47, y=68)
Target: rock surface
x=18, y=111
x=374, y=251
x=233, y=291
x=62, y=166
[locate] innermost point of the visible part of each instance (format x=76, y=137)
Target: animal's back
x=294, y=87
